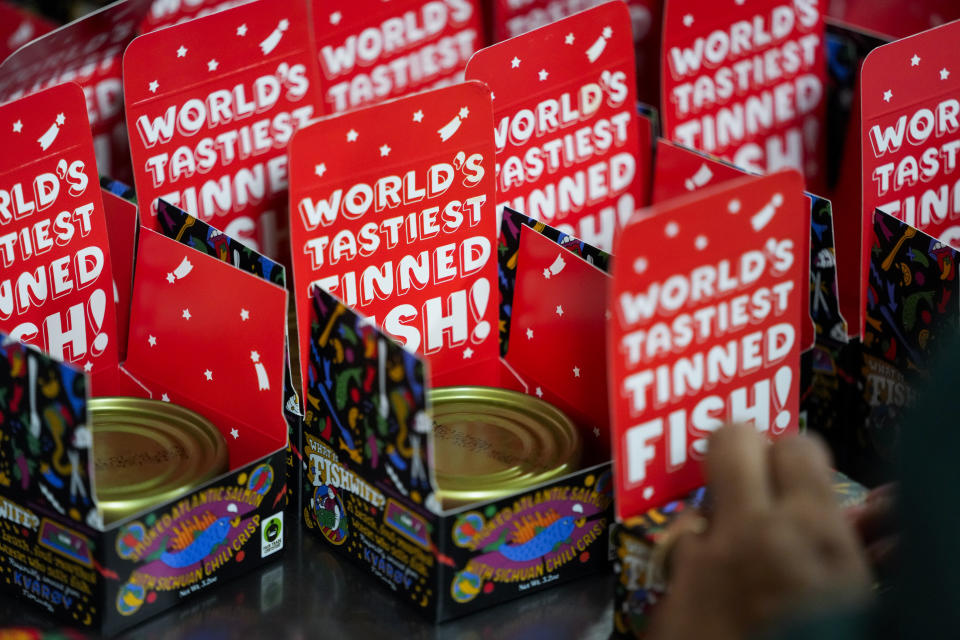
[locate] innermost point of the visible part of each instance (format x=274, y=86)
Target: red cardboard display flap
x=565, y=123
x=373, y=51
x=166, y=13
x=745, y=81
x=391, y=210
x=55, y=287
x=18, y=27
x=910, y=137
x=122, y=223
x=559, y=334
x=211, y=105
x=87, y=51
x=512, y=18
x=215, y=344
x=680, y=171
x=710, y=335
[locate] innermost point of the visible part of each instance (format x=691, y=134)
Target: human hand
x=777, y=543
x=875, y=521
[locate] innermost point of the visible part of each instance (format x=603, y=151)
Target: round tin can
x=147, y=453
x=490, y=443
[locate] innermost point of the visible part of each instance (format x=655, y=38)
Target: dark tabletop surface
x=313, y=592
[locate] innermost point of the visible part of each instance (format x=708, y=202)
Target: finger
x=738, y=472
x=882, y=553
x=874, y=518
x=886, y=491
x=673, y=551
x=800, y=466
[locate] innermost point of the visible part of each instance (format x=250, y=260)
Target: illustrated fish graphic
x=468, y=530
x=202, y=546
x=130, y=540
x=132, y=601
x=261, y=480
x=544, y=542
x=468, y=588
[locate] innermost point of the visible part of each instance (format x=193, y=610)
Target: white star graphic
x=607, y=32
x=687, y=20
x=887, y=95
x=244, y=314
x=320, y=169
x=88, y=366
x=165, y=398
x=182, y=51
x=701, y=243
x=385, y=151
x=915, y=60
x=569, y=39
x=17, y=126
x=944, y=74
x=208, y=374
x=60, y=119
x=539, y=392
x=529, y=334
x=543, y=74
x=418, y=115
x=559, y=310
x=672, y=229
x=242, y=30
x=152, y=340
x=596, y=432
x=463, y=113
x=515, y=62
x=335, y=17
x=212, y=65
x=234, y=433
x=352, y=135
x=171, y=278
x=733, y=206
x=576, y=372
x=186, y=314
x=254, y=356
x=640, y=265
x=154, y=86
x=467, y=353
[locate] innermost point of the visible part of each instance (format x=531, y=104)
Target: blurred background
x=61, y=10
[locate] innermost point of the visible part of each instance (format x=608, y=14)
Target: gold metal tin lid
x=490, y=443
x=147, y=453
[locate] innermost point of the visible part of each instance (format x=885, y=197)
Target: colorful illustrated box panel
x=57, y=553
x=368, y=488
x=911, y=310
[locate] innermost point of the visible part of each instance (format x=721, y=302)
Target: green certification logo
x=271, y=535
